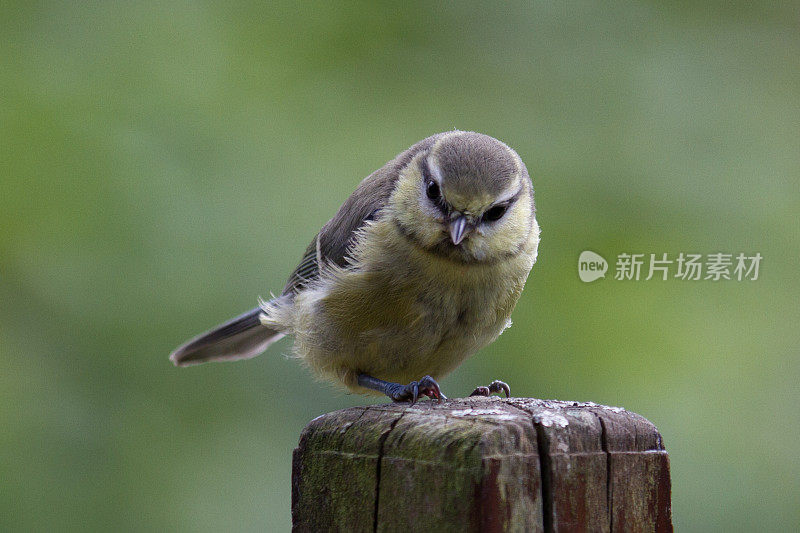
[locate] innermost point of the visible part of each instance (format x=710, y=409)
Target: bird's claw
x=427, y=386
x=494, y=386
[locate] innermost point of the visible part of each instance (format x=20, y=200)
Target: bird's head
x=468, y=197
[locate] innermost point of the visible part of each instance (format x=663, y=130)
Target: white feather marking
x=435, y=171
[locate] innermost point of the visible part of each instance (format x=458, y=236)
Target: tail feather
x=240, y=338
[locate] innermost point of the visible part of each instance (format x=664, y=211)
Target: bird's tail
x=241, y=338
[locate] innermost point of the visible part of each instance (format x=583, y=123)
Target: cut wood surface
x=481, y=464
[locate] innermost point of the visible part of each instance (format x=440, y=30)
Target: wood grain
x=481, y=464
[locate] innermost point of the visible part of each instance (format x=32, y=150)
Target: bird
x=419, y=269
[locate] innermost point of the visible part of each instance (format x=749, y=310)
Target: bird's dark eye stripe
x=426, y=172
x=495, y=213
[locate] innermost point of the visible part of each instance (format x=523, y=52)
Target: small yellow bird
x=419, y=269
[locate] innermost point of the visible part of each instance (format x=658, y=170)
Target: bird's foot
x=427, y=386
x=495, y=386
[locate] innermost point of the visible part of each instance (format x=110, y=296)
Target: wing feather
x=335, y=239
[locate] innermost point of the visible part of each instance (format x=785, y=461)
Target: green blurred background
x=162, y=166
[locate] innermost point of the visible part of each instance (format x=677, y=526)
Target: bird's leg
x=495, y=386
x=427, y=386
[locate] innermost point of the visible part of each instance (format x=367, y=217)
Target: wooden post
x=481, y=464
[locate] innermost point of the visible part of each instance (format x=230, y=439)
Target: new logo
x=591, y=266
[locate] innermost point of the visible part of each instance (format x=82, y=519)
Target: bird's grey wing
x=366, y=203
x=307, y=270
x=334, y=240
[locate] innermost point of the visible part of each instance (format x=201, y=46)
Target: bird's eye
x=432, y=190
x=495, y=213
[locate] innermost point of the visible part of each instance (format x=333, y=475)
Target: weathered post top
x=481, y=464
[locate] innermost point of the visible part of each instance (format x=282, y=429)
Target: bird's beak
x=459, y=229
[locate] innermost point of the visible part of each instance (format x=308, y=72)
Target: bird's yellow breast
x=405, y=312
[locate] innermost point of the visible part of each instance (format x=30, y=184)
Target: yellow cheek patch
x=405, y=206
x=507, y=234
